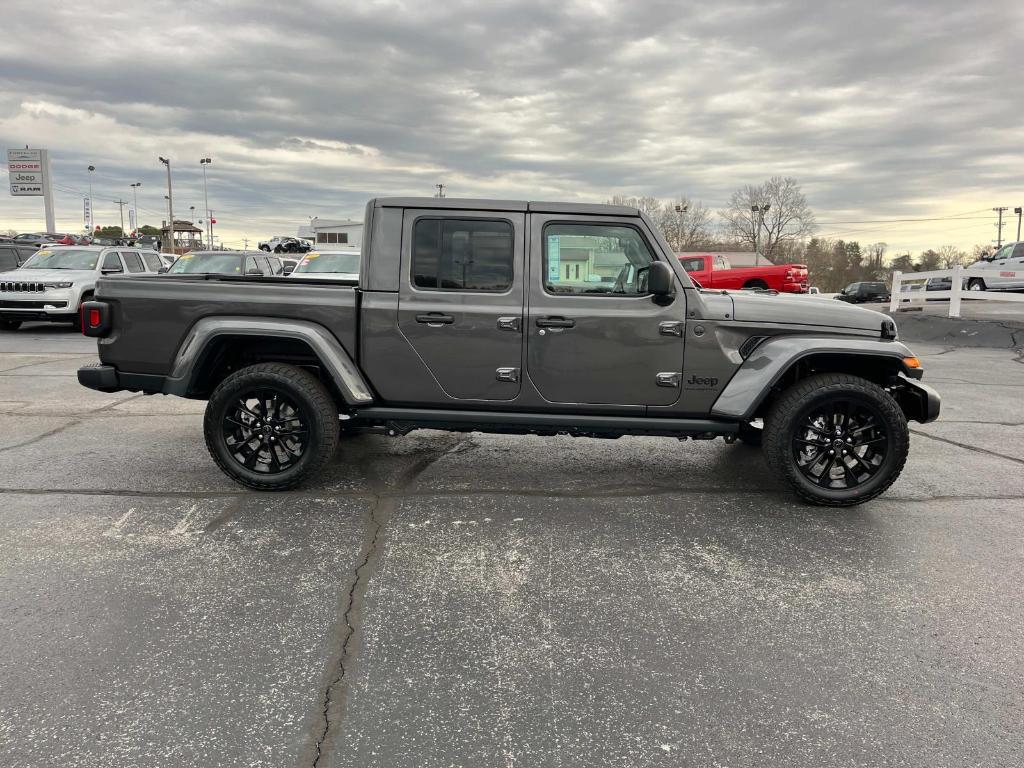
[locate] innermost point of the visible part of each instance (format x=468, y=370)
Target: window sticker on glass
x=554, y=258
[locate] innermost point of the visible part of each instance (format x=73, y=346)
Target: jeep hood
x=49, y=275
x=803, y=310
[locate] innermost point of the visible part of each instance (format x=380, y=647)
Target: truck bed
x=153, y=314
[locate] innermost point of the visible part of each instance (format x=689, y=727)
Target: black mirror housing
x=660, y=280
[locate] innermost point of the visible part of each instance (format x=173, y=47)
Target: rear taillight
x=95, y=318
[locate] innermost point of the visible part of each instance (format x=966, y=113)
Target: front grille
x=32, y=304
x=13, y=287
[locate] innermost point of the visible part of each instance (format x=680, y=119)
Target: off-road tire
x=784, y=417
x=296, y=383
x=9, y=325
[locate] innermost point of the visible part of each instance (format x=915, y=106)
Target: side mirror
x=162, y=270
x=288, y=269
x=253, y=271
x=660, y=279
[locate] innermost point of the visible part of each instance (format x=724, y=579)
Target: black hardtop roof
x=523, y=206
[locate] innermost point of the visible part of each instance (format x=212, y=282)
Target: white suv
x=1006, y=266
x=54, y=282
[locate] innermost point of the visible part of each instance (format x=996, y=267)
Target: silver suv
x=52, y=284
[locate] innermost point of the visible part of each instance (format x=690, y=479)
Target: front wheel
x=9, y=325
x=837, y=439
x=270, y=426
x=975, y=284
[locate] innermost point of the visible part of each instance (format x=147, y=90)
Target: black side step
x=404, y=419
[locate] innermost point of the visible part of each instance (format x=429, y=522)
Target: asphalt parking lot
x=477, y=600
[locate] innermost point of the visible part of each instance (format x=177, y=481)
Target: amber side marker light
x=911, y=362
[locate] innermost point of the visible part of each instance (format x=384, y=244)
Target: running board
x=402, y=420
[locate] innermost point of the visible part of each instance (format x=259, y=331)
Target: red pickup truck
x=713, y=270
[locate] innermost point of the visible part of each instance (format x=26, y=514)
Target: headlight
x=57, y=285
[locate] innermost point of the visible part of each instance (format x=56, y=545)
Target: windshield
x=62, y=258
x=217, y=263
x=330, y=262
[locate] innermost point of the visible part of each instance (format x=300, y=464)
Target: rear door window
x=153, y=262
x=133, y=261
x=462, y=255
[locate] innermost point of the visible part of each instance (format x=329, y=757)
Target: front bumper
x=918, y=401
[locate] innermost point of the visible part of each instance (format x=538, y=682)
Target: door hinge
x=507, y=374
x=508, y=324
x=668, y=379
x=670, y=328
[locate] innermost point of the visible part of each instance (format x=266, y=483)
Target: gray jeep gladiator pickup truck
x=520, y=317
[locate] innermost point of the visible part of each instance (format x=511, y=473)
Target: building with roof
x=326, y=233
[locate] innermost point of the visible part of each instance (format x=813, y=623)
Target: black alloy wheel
x=271, y=425
x=837, y=439
x=266, y=431
x=840, y=444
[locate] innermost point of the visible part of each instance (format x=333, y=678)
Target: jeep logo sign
x=701, y=382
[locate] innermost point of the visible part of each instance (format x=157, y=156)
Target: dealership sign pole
x=29, y=171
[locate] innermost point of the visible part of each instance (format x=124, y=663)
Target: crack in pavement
x=43, y=436
x=967, y=447
x=352, y=604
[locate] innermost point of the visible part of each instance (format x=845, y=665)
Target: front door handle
x=435, y=318
x=555, y=322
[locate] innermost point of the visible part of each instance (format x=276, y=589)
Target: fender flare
x=754, y=379
x=337, y=362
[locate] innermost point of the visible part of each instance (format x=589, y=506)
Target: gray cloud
x=879, y=109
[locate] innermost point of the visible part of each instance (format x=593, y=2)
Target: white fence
x=917, y=282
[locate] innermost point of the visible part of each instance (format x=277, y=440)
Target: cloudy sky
x=881, y=110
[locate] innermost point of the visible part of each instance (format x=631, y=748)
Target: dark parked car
x=285, y=245
x=13, y=256
x=860, y=293
x=226, y=263
x=463, y=320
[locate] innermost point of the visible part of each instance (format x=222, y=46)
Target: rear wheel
x=837, y=439
x=756, y=284
x=271, y=425
x=975, y=284
x=9, y=325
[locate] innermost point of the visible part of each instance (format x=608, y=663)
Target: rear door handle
x=435, y=318
x=555, y=322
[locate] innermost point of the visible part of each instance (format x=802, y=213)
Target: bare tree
x=951, y=256
x=649, y=205
x=788, y=216
x=874, y=261
x=685, y=223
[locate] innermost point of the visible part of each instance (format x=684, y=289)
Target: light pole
x=205, y=161
x=135, y=202
x=1018, y=210
x=92, y=168
x=681, y=210
x=192, y=214
x=170, y=200
x=760, y=210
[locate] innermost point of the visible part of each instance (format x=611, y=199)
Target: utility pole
x=1018, y=210
x=440, y=190
x=170, y=201
x=120, y=205
x=1000, y=210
